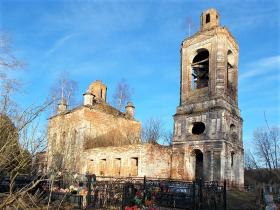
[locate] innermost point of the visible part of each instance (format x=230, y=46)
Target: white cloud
x=59, y=43
x=96, y=18
x=256, y=17
x=261, y=67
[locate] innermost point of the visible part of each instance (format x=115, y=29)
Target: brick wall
x=149, y=160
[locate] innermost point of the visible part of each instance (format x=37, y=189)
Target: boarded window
x=207, y=165
x=179, y=129
x=102, y=167
x=90, y=166
x=117, y=166
x=134, y=166
x=217, y=166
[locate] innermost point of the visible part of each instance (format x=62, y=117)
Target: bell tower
x=207, y=123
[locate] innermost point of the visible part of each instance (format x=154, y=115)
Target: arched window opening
x=232, y=127
x=198, y=128
x=207, y=18
x=231, y=72
x=231, y=158
x=200, y=69
x=233, y=133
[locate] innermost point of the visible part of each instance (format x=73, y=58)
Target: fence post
x=80, y=198
x=261, y=194
x=144, y=195
x=200, y=185
x=193, y=194
x=225, y=194
x=123, y=197
x=145, y=182
x=89, y=177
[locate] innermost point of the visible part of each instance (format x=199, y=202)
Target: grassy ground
x=237, y=200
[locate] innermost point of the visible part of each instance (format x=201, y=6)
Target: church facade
x=207, y=137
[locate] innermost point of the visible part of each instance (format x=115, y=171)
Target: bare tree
x=18, y=147
x=9, y=145
x=63, y=88
x=121, y=95
x=250, y=160
x=7, y=58
x=7, y=88
x=267, y=146
x=262, y=163
x=19, y=137
x=8, y=85
x=168, y=137
x=152, y=130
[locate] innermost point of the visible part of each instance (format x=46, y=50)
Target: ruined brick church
x=207, y=137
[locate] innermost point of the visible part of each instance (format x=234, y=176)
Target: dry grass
x=237, y=200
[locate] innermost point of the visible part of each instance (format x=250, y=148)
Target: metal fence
x=126, y=193
x=181, y=195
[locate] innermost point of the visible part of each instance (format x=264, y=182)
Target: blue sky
x=140, y=41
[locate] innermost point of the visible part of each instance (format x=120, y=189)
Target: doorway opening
x=198, y=164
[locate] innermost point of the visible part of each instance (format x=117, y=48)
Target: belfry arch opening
x=200, y=69
x=198, y=163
